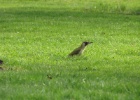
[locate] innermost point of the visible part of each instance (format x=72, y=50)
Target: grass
x=37, y=35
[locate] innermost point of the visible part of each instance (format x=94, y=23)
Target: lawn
x=36, y=37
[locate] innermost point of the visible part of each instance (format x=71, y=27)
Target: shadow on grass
x=33, y=18
x=32, y=13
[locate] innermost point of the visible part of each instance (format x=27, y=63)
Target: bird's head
x=86, y=43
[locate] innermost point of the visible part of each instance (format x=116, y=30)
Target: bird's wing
x=74, y=52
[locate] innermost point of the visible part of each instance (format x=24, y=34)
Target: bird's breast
x=81, y=51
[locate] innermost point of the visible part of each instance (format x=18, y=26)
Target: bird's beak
x=90, y=42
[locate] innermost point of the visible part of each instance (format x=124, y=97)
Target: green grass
x=37, y=35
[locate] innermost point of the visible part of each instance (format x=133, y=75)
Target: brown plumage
x=80, y=49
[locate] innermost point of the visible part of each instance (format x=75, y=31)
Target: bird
x=80, y=49
x=1, y=62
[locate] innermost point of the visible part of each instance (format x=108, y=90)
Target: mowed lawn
x=36, y=37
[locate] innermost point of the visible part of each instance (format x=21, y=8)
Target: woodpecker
x=80, y=49
x=1, y=62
